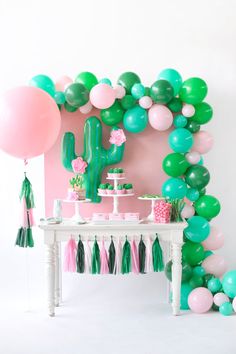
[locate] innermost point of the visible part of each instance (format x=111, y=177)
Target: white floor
x=112, y=316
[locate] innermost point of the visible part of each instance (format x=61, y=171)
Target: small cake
x=132, y=216
x=100, y=217
x=116, y=217
x=75, y=195
x=110, y=189
x=120, y=189
x=128, y=188
x=102, y=189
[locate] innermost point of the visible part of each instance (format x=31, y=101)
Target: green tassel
x=80, y=257
x=112, y=257
x=157, y=257
x=20, y=236
x=29, y=238
x=27, y=193
x=142, y=255
x=126, y=258
x=96, y=262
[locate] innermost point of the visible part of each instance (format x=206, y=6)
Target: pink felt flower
x=117, y=137
x=79, y=165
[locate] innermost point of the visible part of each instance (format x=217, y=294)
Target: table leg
x=168, y=286
x=176, y=277
x=50, y=278
x=57, y=273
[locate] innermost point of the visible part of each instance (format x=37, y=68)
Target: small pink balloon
x=188, y=110
x=187, y=211
x=145, y=102
x=200, y=300
x=119, y=91
x=102, y=96
x=62, y=83
x=220, y=298
x=215, y=240
x=215, y=264
x=160, y=117
x=234, y=304
x=193, y=157
x=30, y=122
x=86, y=108
x=203, y=142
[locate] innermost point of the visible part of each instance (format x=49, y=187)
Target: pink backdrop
x=142, y=163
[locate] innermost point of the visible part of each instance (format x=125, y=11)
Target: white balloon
x=187, y=211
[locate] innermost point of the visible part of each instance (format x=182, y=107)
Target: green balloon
x=147, y=91
x=175, y=105
x=203, y=113
x=180, y=121
x=206, y=279
x=198, y=229
x=127, y=80
x=207, y=253
x=77, y=95
x=59, y=97
x=229, y=283
x=226, y=309
x=186, y=271
x=193, y=90
x=173, y=77
x=174, y=188
x=70, y=108
x=207, y=206
x=197, y=176
x=44, y=83
x=175, y=164
x=202, y=192
x=135, y=119
x=214, y=284
x=128, y=102
x=112, y=115
x=192, y=253
x=196, y=281
x=162, y=91
x=192, y=126
x=87, y=79
x=199, y=270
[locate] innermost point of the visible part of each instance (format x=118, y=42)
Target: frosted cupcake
x=120, y=189
x=102, y=189
x=129, y=188
x=110, y=189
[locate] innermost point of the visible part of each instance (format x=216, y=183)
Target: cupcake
x=121, y=172
x=110, y=189
x=120, y=189
x=102, y=188
x=116, y=173
x=128, y=188
x=110, y=173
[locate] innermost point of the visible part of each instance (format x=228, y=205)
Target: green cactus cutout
x=96, y=156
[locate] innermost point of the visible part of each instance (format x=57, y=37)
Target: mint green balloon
x=180, y=140
x=180, y=121
x=214, y=284
x=44, y=83
x=198, y=229
x=226, y=309
x=174, y=188
x=105, y=80
x=199, y=270
x=185, y=291
x=229, y=283
x=135, y=119
x=173, y=77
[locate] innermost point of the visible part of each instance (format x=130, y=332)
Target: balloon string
x=25, y=164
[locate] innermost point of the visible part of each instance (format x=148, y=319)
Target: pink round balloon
x=234, y=304
x=188, y=110
x=193, y=157
x=102, y=96
x=62, y=83
x=30, y=122
x=215, y=240
x=160, y=117
x=220, y=298
x=215, y=264
x=119, y=91
x=187, y=211
x=145, y=102
x=86, y=108
x=203, y=142
x=200, y=300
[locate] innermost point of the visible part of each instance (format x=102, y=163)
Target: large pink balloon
x=215, y=264
x=62, y=83
x=203, y=142
x=200, y=300
x=30, y=122
x=102, y=96
x=160, y=117
x=215, y=240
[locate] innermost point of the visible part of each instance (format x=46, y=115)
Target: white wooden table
x=55, y=234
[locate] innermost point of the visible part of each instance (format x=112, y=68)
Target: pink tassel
x=134, y=256
x=148, y=263
x=70, y=256
x=31, y=217
x=104, y=259
x=24, y=217
x=88, y=258
x=117, y=268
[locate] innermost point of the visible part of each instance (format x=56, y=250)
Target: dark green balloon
x=175, y=164
x=87, y=79
x=147, y=91
x=203, y=113
x=112, y=115
x=186, y=271
x=192, y=126
x=192, y=253
x=197, y=176
x=202, y=192
x=69, y=108
x=206, y=279
x=162, y=91
x=193, y=90
x=127, y=80
x=175, y=105
x=196, y=281
x=77, y=95
x=128, y=102
x=207, y=206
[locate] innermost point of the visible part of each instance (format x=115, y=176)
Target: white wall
x=109, y=37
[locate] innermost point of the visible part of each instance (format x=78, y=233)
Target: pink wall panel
x=142, y=162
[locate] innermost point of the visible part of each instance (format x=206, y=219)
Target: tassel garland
x=145, y=258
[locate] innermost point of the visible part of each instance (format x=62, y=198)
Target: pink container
x=110, y=175
x=100, y=216
x=102, y=191
x=129, y=191
x=120, y=191
x=110, y=191
x=162, y=212
x=132, y=216
x=119, y=216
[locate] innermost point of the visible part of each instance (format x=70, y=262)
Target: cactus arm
x=68, y=150
x=114, y=154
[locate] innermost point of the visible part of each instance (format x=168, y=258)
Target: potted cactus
x=120, y=189
x=102, y=188
x=110, y=189
x=77, y=185
x=129, y=188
